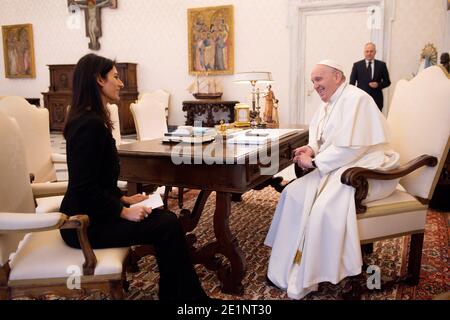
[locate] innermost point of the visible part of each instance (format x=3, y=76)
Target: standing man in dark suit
x=371, y=75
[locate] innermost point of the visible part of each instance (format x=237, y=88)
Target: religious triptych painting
x=211, y=40
x=18, y=51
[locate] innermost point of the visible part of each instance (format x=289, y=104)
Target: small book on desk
x=188, y=139
x=261, y=136
x=257, y=133
x=177, y=134
x=154, y=201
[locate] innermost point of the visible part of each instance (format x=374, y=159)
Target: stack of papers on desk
x=188, y=139
x=188, y=134
x=261, y=136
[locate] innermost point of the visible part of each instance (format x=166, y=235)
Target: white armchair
x=114, y=115
x=149, y=118
x=34, y=127
x=149, y=114
x=161, y=96
x=42, y=263
x=419, y=121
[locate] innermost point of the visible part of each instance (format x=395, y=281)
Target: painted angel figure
x=92, y=7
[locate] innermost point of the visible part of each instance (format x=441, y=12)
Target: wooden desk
x=208, y=108
x=218, y=167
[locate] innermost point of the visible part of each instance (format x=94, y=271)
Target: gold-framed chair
x=418, y=119
x=34, y=259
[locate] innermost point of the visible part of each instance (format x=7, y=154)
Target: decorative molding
x=446, y=27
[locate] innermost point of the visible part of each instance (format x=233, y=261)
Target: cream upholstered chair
x=42, y=263
x=34, y=125
x=35, y=130
x=419, y=121
x=161, y=96
x=114, y=115
x=150, y=120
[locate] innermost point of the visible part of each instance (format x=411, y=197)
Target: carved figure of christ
x=93, y=18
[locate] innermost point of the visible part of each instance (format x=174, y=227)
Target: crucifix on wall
x=93, y=18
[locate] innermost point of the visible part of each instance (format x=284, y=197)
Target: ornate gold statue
x=270, y=108
x=222, y=127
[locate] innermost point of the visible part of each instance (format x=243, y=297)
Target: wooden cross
x=93, y=17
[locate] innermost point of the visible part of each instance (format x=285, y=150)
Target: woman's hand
x=136, y=214
x=133, y=199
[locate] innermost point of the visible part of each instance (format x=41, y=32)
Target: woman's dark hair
x=86, y=95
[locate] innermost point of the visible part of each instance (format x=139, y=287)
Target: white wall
x=153, y=33
x=416, y=23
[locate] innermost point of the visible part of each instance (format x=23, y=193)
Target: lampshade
x=253, y=76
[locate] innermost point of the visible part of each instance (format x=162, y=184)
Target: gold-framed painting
x=211, y=40
x=18, y=51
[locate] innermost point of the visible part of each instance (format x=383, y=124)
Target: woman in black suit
x=93, y=166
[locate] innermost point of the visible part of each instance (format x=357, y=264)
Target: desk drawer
x=286, y=156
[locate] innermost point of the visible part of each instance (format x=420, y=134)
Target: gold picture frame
x=211, y=40
x=241, y=115
x=18, y=51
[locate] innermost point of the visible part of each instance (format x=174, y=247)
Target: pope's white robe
x=316, y=214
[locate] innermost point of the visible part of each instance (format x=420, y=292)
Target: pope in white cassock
x=314, y=233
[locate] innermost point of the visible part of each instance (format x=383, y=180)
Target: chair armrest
x=30, y=222
x=357, y=177
x=81, y=222
x=49, y=189
x=59, y=158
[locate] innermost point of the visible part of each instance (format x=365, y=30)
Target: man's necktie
x=369, y=70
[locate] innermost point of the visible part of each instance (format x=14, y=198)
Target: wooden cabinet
x=59, y=95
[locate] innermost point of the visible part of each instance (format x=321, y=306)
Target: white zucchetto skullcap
x=332, y=64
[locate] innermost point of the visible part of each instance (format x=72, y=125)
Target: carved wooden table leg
x=133, y=188
x=236, y=197
x=230, y=275
x=189, y=220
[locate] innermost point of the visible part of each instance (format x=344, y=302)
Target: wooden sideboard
x=207, y=111
x=59, y=95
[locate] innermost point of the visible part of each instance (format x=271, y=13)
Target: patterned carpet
x=250, y=220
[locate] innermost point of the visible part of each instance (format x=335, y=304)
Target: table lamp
x=253, y=78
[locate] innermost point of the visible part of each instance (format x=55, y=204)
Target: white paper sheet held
x=154, y=201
